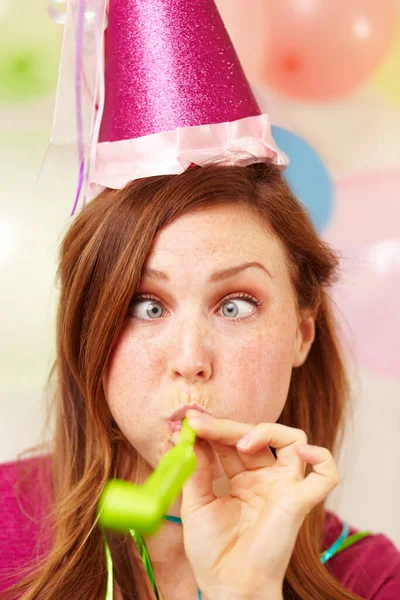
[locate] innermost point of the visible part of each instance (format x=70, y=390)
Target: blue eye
x=236, y=303
x=146, y=308
x=236, y=308
x=233, y=307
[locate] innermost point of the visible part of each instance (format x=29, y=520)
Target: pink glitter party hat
x=171, y=91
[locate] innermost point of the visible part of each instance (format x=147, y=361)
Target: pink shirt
x=369, y=568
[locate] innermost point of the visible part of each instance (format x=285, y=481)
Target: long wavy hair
x=101, y=261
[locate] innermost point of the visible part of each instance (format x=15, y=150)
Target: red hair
x=101, y=260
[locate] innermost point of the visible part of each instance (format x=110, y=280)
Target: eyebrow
x=215, y=277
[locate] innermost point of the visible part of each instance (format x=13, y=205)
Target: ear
x=304, y=337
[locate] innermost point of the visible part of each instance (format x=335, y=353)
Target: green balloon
x=27, y=72
x=30, y=44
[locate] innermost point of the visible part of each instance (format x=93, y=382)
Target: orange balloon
x=324, y=49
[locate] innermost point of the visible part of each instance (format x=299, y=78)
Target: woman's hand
x=239, y=545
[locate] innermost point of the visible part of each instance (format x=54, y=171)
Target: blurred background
x=328, y=73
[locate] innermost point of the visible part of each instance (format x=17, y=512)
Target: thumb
x=198, y=490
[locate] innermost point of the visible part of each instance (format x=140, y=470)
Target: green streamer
x=144, y=553
x=352, y=539
x=110, y=574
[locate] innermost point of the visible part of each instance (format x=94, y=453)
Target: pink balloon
x=365, y=229
x=323, y=49
x=367, y=299
x=366, y=208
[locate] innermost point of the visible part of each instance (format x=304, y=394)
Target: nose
x=190, y=355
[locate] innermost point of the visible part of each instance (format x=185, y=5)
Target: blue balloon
x=307, y=176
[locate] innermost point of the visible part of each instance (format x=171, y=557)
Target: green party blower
x=123, y=505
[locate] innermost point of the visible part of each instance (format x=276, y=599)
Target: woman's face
x=214, y=323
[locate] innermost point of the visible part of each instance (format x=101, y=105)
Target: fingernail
x=245, y=441
x=197, y=418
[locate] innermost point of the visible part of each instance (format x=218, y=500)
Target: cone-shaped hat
x=169, y=86
x=169, y=64
x=175, y=93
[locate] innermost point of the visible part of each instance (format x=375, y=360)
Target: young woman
x=207, y=290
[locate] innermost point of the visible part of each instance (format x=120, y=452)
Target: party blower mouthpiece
x=123, y=505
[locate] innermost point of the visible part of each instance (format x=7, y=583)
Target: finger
x=207, y=428
x=223, y=435
x=228, y=456
x=230, y=432
x=233, y=461
x=229, y=459
x=323, y=479
x=224, y=431
x=257, y=460
x=284, y=439
x=198, y=491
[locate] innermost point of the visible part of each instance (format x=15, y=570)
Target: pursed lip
x=180, y=413
x=175, y=420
